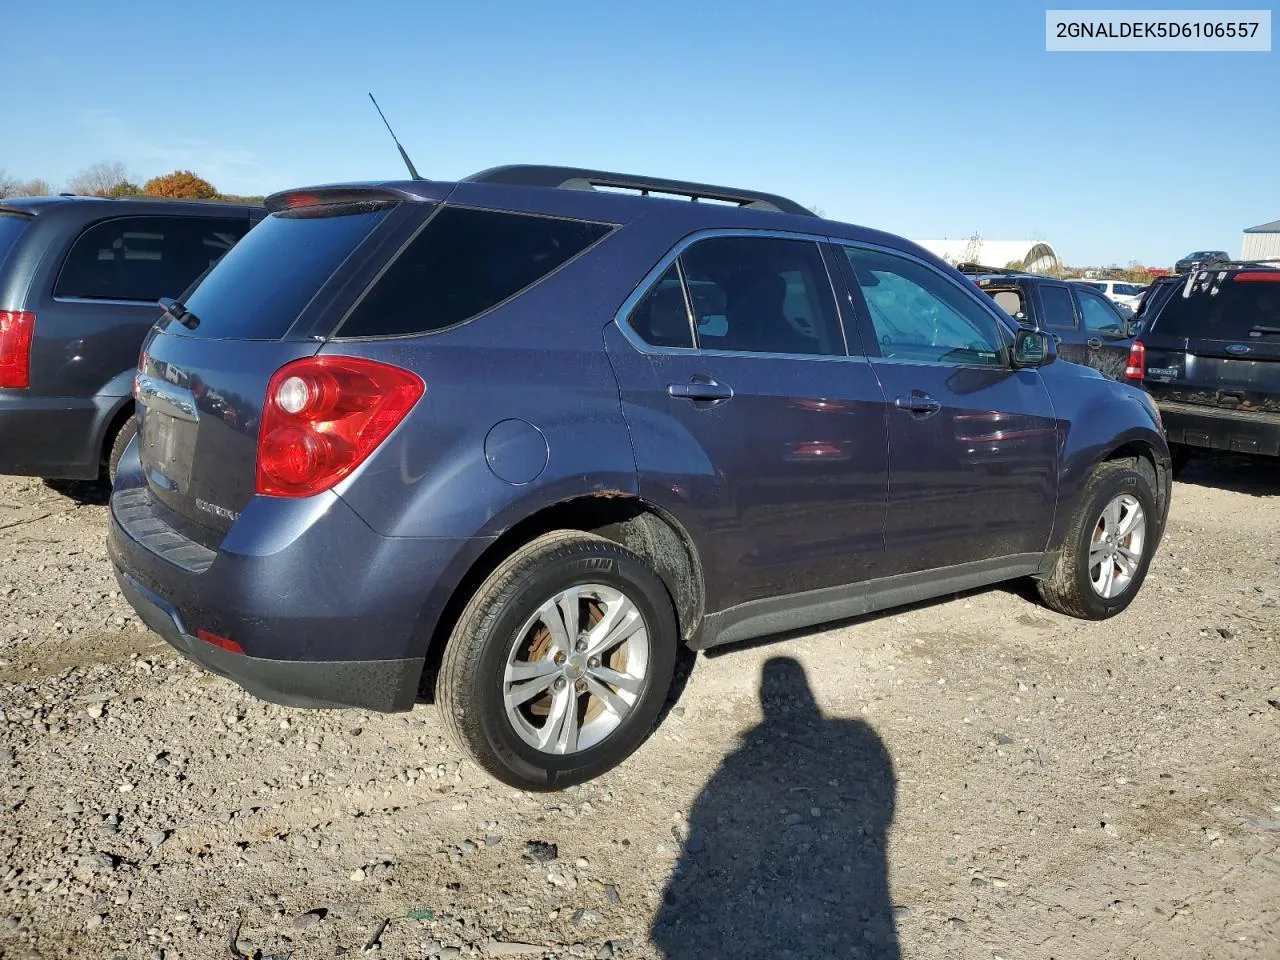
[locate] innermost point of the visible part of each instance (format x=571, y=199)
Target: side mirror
x=1032, y=348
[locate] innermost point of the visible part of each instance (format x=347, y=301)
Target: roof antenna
x=413, y=174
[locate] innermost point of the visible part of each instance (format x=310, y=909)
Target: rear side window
x=762, y=295
x=263, y=284
x=1240, y=310
x=144, y=258
x=11, y=228
x=1058, y=310
x=462, y=263
x=661, y=318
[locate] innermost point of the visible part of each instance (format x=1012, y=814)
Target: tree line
x=114, y=180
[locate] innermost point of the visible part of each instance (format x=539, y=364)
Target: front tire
x=1108, y=547
x=560, y=663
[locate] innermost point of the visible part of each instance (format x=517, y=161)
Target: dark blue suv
x=518, y=437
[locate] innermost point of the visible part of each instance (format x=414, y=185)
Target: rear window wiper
x=178, y=310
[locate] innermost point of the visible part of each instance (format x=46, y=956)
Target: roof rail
x=1211, y=265
x=576, y=178
x=968, y=268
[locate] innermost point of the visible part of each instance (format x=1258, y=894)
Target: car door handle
x=1094, y=343
x=701, y=389
x=918, y=404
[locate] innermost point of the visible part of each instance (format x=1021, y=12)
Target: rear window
x=11, y=228
x=462, y=263
x=263, y=284
x=1238, y=311
x=144, y=258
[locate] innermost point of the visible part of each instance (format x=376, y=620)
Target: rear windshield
x=463, y=263
x=11, y=228
x=1245, y=310
x=261, y=286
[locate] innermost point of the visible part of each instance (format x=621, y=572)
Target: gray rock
x=450, y=953
x=503, y=948
x=156, y=837
x=540, y=852
x=309, y=920
x=467, y=846
x=432, y=948
x=344, y=910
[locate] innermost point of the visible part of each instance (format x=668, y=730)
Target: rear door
x=1216, y=344
x=1105, y=331
x=754, y=425
x=972, y=441
x=105, y=291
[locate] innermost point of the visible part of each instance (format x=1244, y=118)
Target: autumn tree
x=180, y=183
x=125, y=188
x=99, y=180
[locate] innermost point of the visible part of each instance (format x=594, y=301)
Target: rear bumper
x=1234, y=431
x=385, y=685
x=54, y=437
x=328, y=612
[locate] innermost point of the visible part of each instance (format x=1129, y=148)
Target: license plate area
x=167, y=437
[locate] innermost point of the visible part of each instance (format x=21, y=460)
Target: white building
x=1036, y=256
x=1261, y=242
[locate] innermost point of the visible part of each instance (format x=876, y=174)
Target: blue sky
x=927, y=119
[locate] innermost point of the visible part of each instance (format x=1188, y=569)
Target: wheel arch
x=647, y=530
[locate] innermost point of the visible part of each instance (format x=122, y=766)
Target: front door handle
x=1094, y=343
x=703, y=389
x=918, y=403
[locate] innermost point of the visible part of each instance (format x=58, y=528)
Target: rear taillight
x=323, y=416
x=16, y=330
x=1135, y=367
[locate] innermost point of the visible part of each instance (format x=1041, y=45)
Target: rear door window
x=1245, y=311
x=1059, y=313
x=762, y=295
x=144, y=258
x=463, y=263
x=661, y=318
x=261, y=286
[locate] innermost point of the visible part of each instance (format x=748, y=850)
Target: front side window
x=1058, y=310
x=462, y=263
x=762, y=295
x=1098, y=315
x=144, y=258
x=918, y=314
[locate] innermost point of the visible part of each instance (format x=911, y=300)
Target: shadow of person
x=785, y=855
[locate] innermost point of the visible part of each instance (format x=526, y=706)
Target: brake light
x=16, y=330
x=1136, y=366
x=1258, y=276
x=323, y=417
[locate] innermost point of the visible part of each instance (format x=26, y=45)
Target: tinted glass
x=461, y=264
x=762, y=295
x=1098, y=315
x=918, y=314
x=1242, y=311
x=11, y=228
x=1058, y=310
x=144, y=258
x=661, y=318
x=260, y=287
x=1125, y=290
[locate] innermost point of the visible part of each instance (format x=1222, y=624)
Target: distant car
x=1089, y=328
x=1209, y=353
x=1117, y=291
x=1200, y=256
x=79, y=281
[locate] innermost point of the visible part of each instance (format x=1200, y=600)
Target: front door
x=972, y=441
x=752, y=422
x=1104, y=328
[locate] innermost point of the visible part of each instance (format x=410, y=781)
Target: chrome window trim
x=673, y=256
x=102, y=300
x=984, y=303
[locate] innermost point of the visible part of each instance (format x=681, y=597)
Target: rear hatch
x=1216, y=342
x=205, y=367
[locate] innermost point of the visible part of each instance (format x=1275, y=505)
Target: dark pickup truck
x=1208, y=352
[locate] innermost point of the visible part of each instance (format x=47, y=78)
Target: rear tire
x=596, y=701
x=128, y=430
x=1108, y=546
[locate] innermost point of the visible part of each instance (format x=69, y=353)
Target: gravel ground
x=978, y=778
